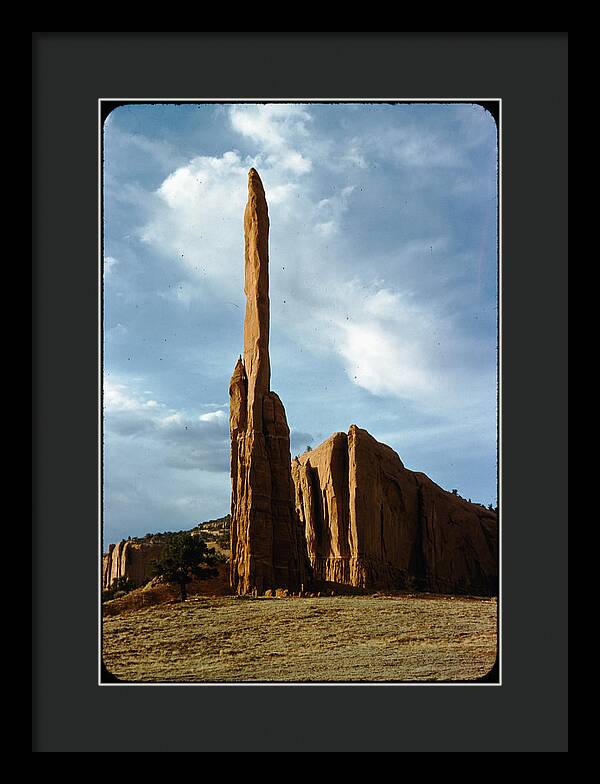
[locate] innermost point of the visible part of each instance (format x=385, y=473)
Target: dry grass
x=158, y=593
x=338, y=638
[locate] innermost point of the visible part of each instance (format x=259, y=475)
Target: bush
x=185, y=557
x=121, y=586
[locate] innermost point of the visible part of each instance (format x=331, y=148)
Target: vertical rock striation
x=131, y=559
x=372, y=523
x=268, y=549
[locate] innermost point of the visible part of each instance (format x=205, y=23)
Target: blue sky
x=383, y=264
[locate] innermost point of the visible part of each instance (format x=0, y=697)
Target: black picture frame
x=528, y=71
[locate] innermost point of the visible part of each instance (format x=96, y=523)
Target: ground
x=333, y=638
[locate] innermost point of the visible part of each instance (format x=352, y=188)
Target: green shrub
x=121, y=586
x=185, y=557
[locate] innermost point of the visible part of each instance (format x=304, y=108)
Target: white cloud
x=413, y=146
x=187, y=440
x=329, y=212
x=396, y=347
x=354, y=156
x=277, y=129
x=196, y=221
x=383, y=340
x=390, y=344
x=294, y=161
x=117, y=397
x=172, y=419
x=280, y=194
x=122, y=397
x=196, y=214
x=214, y=416
x=109, y=264
x=377, y=360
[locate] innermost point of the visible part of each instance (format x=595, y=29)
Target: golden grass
x=338, y=638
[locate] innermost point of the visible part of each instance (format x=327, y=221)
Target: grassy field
x=337, y=638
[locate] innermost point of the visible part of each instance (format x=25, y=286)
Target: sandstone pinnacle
x=256, y=288
x=268, y=550
x=346, y=513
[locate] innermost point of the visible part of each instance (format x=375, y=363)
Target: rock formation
x=219, y=526
x=372, y=523
x=267, y=543
x=134, y=558
x=130, y=558
x=347, y=512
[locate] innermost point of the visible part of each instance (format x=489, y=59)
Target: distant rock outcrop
x=130, y=558
x=134, y=558
x=267, y=544
x=372, y=523
x=219, y=525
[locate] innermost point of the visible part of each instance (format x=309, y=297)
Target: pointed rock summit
x=256, y=289
x=268, y=549
x=347, y=513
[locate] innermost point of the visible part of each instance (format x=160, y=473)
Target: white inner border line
x=499, y=381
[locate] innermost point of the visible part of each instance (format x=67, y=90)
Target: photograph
x=300, y=387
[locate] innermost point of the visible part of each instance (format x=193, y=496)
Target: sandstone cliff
x=131, y=559
x=267, y=543
x=372, y=523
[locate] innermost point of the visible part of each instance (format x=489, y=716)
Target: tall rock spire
x=268, y=548
x=256, y=289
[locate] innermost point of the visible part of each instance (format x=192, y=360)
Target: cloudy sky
x=383, y=254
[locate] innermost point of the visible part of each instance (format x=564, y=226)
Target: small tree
x=309, y=448
x=184, y=557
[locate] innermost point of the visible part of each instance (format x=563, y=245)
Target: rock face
x=348, y=512
x=268, y=550
x=130, y=559
x=372, y=523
